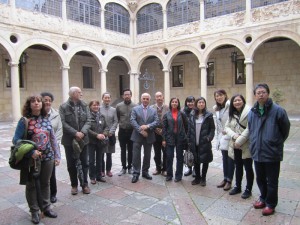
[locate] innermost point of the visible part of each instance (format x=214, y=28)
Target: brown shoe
x=222, y=184
x=109, y=174
x=227, y=186
x=156, y=172
x=74, y=191
x=86, y=190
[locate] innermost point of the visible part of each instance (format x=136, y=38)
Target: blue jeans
x=179, y=160
x=228, y=166
x=267, y=175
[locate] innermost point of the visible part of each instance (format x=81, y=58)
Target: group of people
x=87, y=132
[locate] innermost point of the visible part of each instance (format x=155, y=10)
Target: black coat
x=98, y=126
x=268, y=132
x=168, y=128
x=202, y=152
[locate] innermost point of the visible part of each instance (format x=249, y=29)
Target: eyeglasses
x=261, y=93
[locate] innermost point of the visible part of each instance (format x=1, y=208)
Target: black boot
x=35, y=218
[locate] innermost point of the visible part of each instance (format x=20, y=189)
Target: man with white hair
x=144, y=120
x=76, y=121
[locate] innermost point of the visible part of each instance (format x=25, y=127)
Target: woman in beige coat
x=237, y=128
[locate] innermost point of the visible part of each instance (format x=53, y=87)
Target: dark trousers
x=136, y=157
x=198, y=173
x=108, y=164
x=125, y=144
x=53, y=186
x=95, y=161
x=158, y=151
x=267, y=175
x=239, y=170
x=179, y=160
x=45, y=170
x=228, y=166
x=71, y=164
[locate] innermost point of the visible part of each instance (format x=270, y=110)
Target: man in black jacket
x=76, y=121
x=269, y=127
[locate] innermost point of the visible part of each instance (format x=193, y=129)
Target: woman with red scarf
x=174, y=136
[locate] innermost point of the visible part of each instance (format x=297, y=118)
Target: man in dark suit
x=144, y=120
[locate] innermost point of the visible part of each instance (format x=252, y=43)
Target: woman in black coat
x=174, y=136
x=201, y=131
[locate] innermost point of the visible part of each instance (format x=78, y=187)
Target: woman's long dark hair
x=197, y=111
x=232, y=109
x=220, y=92
x=27, y=112
x=170, y=105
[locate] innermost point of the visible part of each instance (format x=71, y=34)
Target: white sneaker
x=123, y=171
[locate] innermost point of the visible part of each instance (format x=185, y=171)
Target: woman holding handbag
x=174, y=136
x=221, y=111
x=237, y=128
x=45, y=156
x=200, y=134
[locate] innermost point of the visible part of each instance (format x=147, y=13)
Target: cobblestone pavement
x=153, y=202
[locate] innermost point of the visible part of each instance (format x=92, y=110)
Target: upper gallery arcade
x=179, y=47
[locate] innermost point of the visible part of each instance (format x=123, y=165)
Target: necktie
x=145, y=113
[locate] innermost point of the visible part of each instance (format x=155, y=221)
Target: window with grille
x=259, y=3
x=210, y=70
x=84, y=11
x=51, y=7
x=87, y=77
x=177, y=75
x=215, y=8
x=149, y=18
x=182, y=11
x=116, y=18
x=4, y=1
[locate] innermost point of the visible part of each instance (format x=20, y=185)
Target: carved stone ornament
x=132, y=4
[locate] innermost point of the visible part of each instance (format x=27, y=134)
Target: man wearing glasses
x=269, y=127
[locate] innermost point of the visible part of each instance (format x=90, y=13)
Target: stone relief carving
x=275, y=11
x=118, y=38
x=233, y=19
x=183, y=29
x=150, y=36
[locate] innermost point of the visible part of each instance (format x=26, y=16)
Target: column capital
x=166, y=70
x=12, y=63
x=202, y=66
x=103, y=70
x=64, y=67
x=134, y=73
x=249, y=61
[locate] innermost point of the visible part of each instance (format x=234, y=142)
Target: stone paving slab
x=119, y=202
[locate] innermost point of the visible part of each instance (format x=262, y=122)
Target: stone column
x=64, y=10
x=249, y=81
x=65, y=83
x=248, y=11
x=167, y=86
x=12, y=4
x=133, y=30
x=203, y=80
x=102, y=21
x=136, y=88
x=202, y=12
x=131, y=82
x=15, y=91
x=103, y=80
x=165, y=24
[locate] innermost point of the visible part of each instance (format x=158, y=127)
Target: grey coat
x=137, y=120
x=202, y=152
x=55, y=120
x=69, y=122
x=111, y=119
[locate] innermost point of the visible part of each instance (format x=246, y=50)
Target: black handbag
x=112, y=140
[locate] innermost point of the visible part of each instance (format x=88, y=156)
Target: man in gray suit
x=144, y=120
